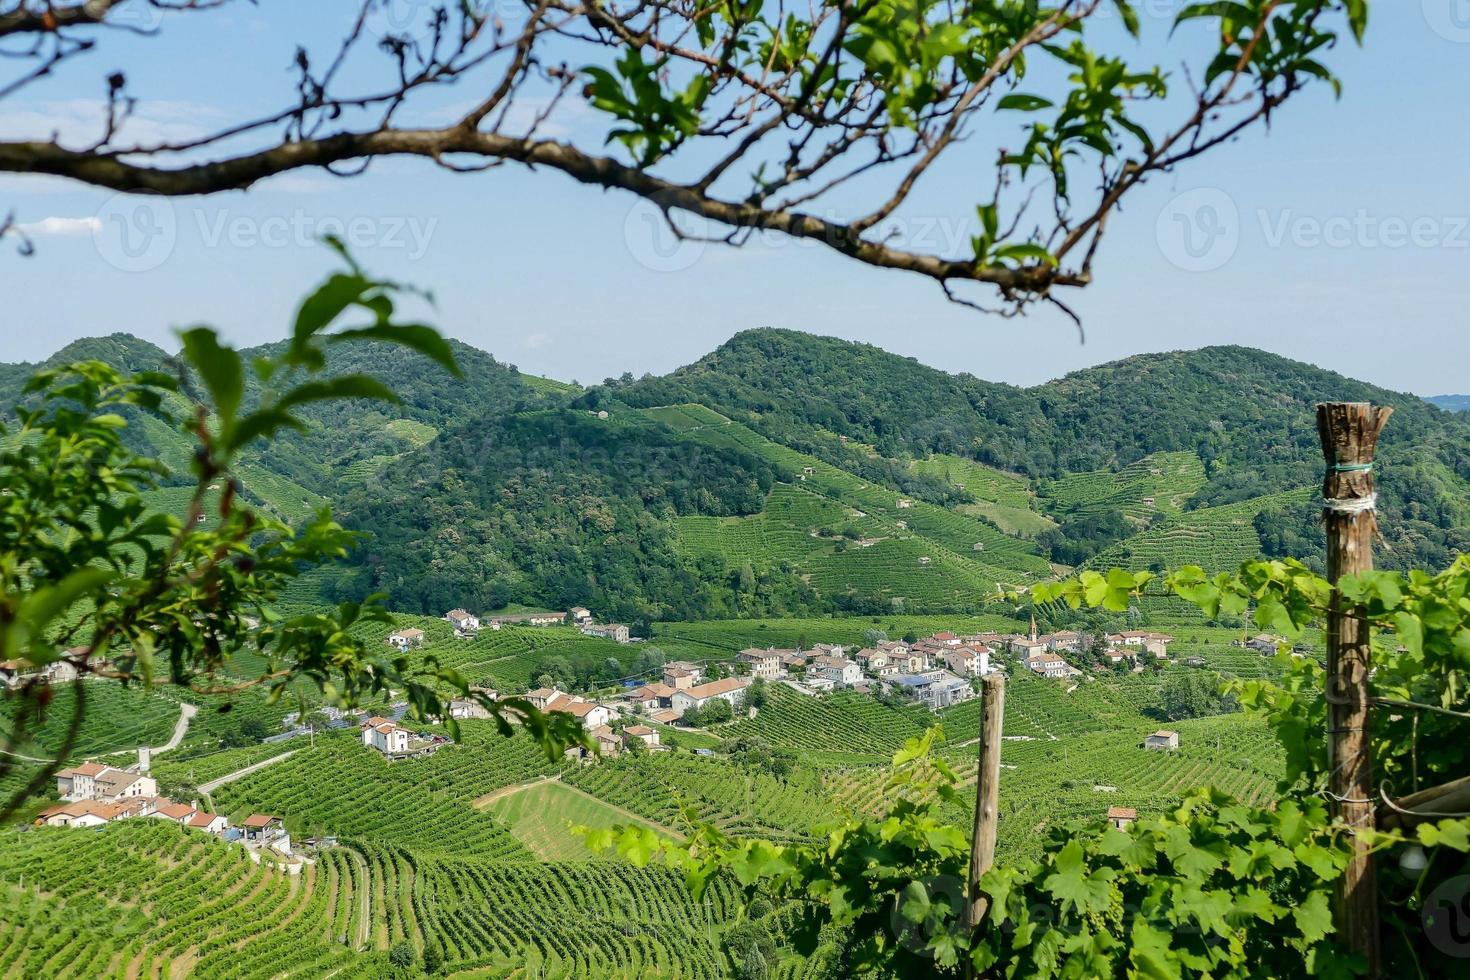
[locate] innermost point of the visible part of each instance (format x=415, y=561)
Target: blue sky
x=1341, y=237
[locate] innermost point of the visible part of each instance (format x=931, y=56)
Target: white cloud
x=534, y=340
x=57, y=227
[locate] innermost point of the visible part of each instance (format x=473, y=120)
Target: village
x=936, y=672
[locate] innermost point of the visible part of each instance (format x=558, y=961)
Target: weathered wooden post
x=1349, y=432
x=987, y=791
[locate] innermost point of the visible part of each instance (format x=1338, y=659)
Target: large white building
x=763, y=663
x=731, y=689
x=968, y=661
x=838, y=670
x=94, y=781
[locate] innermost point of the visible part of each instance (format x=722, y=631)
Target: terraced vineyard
x=213, y=913
x=849, y=723
x=73, y=905
x=1215, y=538
x=542, y=815
x=343, y=787
x=847, y=535
x=658, y=787
x=118, y=719
x=1160, y=483
x=1004, y=499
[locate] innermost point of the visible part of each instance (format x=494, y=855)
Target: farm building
x=526, y=619
x=763, y=663
x=608, y=741
x=650, y=696
x=589, y=713
x=680, y=674
x=265, y=830
x=579, y=615
x=608, y=631
x=461, y=710
x=81, y=813
x=1049, y=665
x=648, y=736
x=968, y=661
x=94, y=781
x=405, y=639
x=838, y=670
x=463, y=622
x=385, y=735
x=934, y=689
x=14, y=673
x=731, y=689
x=1122, y=817
x=877, y=662
x=1162, y=740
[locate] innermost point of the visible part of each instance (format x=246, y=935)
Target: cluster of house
x=466, y=625
x=932, y=671
x=1044, y=653
x=596, y=719
x=94, y=795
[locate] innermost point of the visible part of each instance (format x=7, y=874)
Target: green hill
x=786, y=473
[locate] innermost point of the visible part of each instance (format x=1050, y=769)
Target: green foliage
x=93, y=576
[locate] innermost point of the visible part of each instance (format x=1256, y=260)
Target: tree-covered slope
x=1248, y=415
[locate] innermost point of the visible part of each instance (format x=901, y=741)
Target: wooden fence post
x=987, y=791
x=1349, y=432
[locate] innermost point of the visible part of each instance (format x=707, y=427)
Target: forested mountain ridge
x=775, y=489
x=1451, y=403
x=1247, y=414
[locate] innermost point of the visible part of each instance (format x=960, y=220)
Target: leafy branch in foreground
x=91, y=576
x=1212, y=887
x=815, y=122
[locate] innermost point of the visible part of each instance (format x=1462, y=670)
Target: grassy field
x=542, y=816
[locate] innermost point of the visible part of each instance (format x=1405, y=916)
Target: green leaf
x=219, y=367
x=318, y=310
x=1314, y=916
x=346, y=386
x=425, y=340
x=1022, y=102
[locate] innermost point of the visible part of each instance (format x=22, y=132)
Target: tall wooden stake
x=987, y=791
x=1349, y=432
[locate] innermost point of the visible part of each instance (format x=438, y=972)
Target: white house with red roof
x=731, y=689
x=403, y=640
x=968, y=661
x=385, y=735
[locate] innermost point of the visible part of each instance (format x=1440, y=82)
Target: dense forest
x=500, y=488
